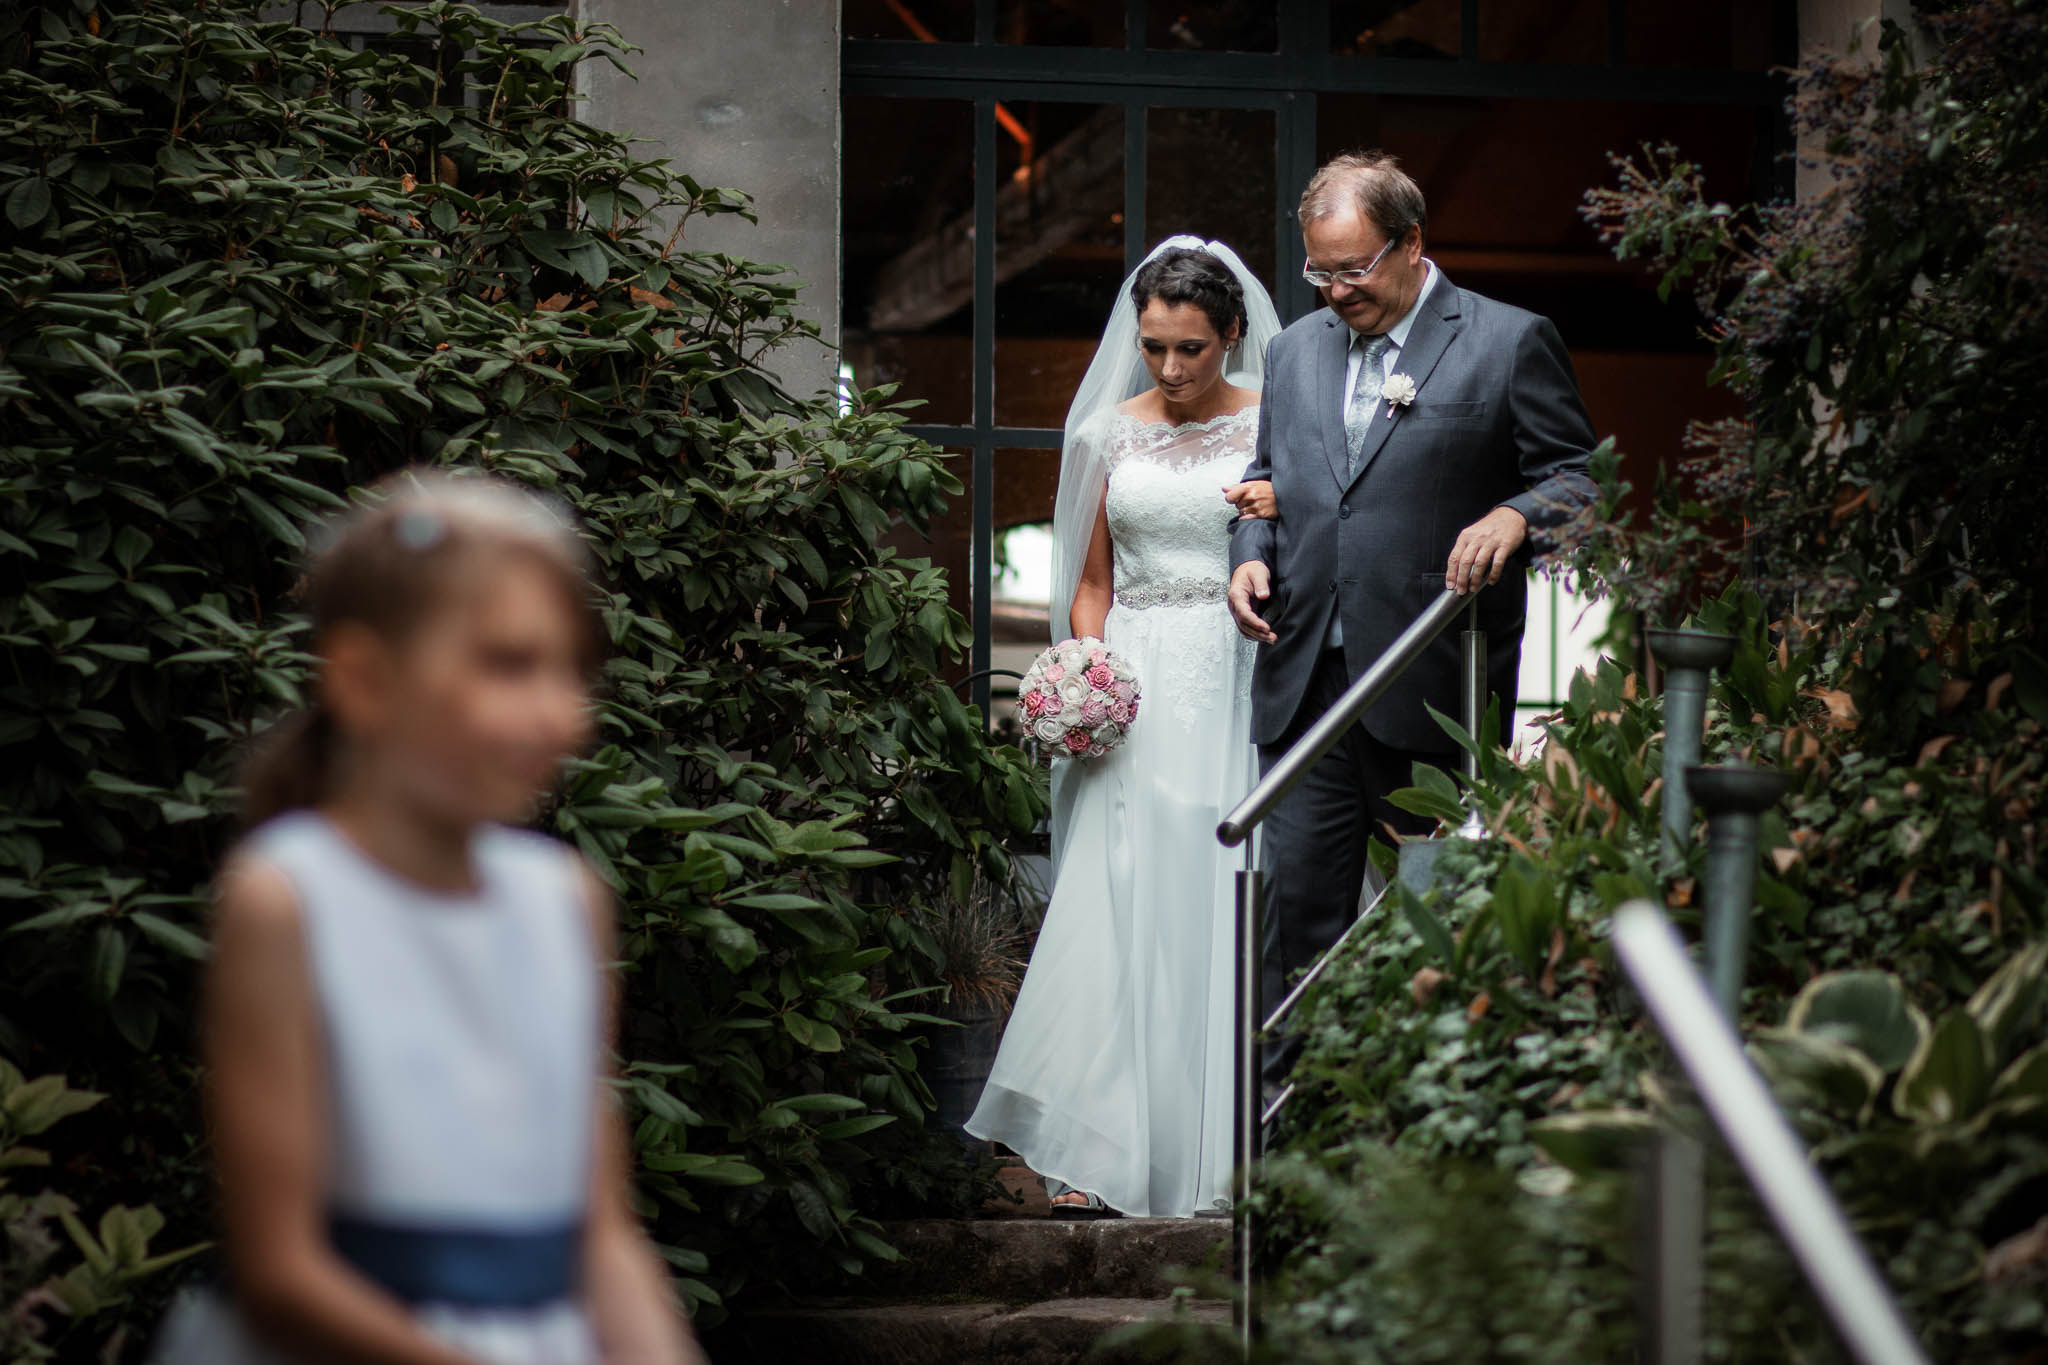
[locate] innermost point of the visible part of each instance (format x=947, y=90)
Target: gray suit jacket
x=1496, y=421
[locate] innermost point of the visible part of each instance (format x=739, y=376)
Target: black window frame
x=1288, y=82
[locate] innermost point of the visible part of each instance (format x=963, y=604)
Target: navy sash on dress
x=470, y=1267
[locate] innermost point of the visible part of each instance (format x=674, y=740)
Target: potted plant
x=984, y=940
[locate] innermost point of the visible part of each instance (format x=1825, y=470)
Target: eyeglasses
x=1323, y=279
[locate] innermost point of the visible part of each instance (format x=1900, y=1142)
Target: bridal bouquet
x=1078, y=699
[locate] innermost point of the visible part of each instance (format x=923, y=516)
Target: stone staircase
x=1017, y=1290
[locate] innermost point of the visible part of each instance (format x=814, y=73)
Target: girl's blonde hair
x=387, y=565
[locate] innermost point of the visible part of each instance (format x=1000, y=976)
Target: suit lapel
x=1435, y=325
x=1332, y=349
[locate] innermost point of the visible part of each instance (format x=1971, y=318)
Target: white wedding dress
x=1115, y=1073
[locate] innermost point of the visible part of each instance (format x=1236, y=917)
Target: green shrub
x=1886, y=339
x=1455, y=1175
x=41, y=1312
x=249, y=270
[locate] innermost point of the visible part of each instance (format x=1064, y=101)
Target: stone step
x=1022, y=1260
x=861, y=1333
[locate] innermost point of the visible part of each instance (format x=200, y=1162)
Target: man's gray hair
x=1374, y=184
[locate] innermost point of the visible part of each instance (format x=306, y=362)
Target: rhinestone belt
x=1174, y=592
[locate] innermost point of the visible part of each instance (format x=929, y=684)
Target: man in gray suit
x=1416, y=434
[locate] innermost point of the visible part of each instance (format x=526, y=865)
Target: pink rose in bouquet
x=1078, y=700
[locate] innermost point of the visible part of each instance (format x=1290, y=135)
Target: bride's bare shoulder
x=1146, y=407
x=1242, y=399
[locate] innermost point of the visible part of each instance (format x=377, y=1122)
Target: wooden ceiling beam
x=1068, y=191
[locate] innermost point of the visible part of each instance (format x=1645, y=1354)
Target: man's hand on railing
x=1251, y=585
x=1484, y=548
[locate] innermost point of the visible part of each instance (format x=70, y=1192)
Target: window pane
x=1504, y=222
x=1211, y=25
x=1504, y=205
x=1210, y=172
x=1395, y=28
x=1061, y=23
x=1059, y=253
x=907, y=250
x=1560, y=33
x=1735, y=36
x=931, y=21
x=1026, y=482
x=1561, y=637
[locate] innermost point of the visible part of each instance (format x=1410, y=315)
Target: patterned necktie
x=1364, y=394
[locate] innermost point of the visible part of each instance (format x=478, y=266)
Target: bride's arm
x=1092, y=597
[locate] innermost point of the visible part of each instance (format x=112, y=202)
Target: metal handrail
x=1323, y=736
x=1811, y=1222
x=1249, y=813
x=1301, y=988
x=1321, y=964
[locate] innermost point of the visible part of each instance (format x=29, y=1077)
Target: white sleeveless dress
x=1115, y=1072
x=463, y=1042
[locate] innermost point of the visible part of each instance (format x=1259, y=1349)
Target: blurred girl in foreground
x=406, y=1015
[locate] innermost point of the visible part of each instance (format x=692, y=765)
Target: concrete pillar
x=1843, y=26
x=742, y=94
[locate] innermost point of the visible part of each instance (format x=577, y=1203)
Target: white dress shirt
x=1397, y=337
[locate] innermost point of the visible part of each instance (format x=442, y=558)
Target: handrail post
x=1676, y=1232
x=1472, y=682
x=1472, y=705
x=1688, y=658
x=1251, y=895
x=1677, y=1223
x=1733, y=798
x=1237, y=828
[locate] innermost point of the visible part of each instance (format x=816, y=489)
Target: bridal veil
x=1117, y=374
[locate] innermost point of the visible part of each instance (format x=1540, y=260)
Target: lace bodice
x=1170, y=536
x=1168, y=522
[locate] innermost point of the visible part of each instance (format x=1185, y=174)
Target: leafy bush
x=250, y=269
x=1456, y=1173
x=111, y=1260
x=1886, y=338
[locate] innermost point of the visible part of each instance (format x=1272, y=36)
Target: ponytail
x=292, y=767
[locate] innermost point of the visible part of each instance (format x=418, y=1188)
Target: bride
x=1114, y=1079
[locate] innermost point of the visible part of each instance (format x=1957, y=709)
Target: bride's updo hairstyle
x=1187, y=275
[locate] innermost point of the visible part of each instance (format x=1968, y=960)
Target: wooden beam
x=1069, y=190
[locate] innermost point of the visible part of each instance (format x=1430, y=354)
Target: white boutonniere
x=1399, y=391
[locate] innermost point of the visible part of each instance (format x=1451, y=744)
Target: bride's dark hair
x=1186, y=275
